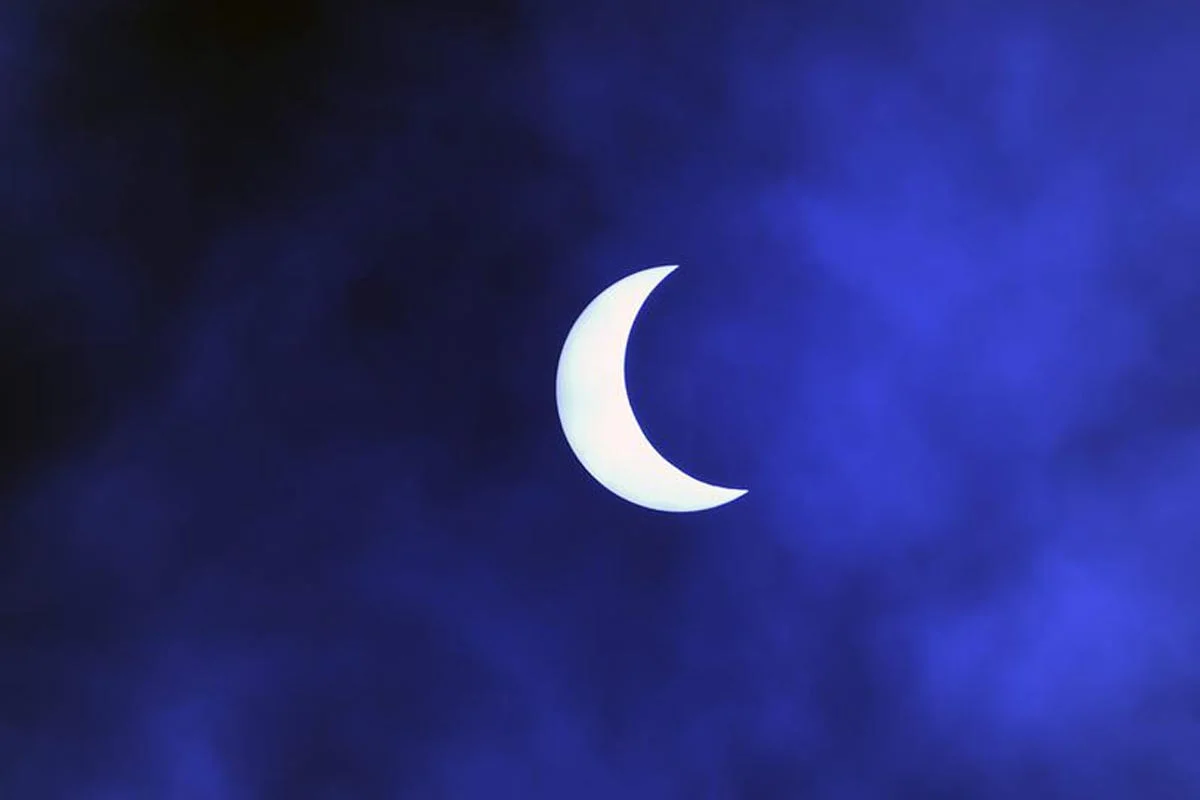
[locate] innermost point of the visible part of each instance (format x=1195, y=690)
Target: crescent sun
x=597, y=417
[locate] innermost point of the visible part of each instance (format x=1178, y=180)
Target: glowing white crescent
x=597, y=418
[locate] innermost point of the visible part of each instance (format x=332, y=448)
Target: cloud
x=296, y=516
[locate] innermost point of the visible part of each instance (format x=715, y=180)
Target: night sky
x=285, y=507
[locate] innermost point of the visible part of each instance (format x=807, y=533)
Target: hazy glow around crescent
x=597, y=418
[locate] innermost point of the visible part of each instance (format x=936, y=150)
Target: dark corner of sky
x=292, y=504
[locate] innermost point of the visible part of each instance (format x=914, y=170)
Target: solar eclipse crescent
x=597, y=417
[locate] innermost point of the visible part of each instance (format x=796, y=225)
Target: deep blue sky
x=285, y=509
